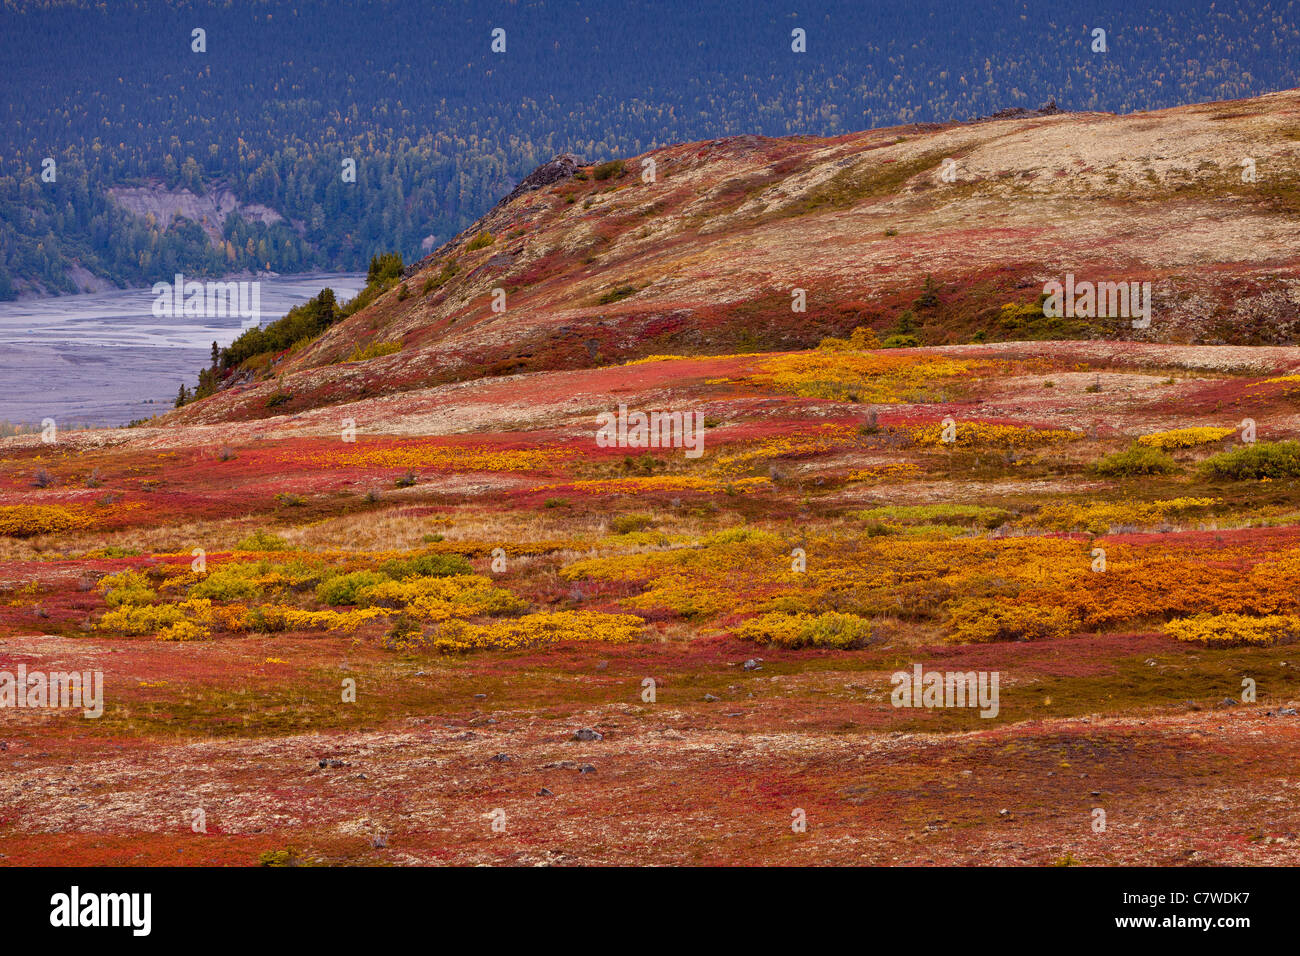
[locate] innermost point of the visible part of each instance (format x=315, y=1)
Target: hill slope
x=600, y=265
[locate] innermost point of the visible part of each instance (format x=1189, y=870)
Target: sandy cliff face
x=209, y=210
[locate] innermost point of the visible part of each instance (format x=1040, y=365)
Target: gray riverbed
x=105, y=359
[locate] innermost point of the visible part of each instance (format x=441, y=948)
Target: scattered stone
x=1229, y=702
x=480, y=696
x=602, y=665
x=1284, y=712
x=544, y=793
x=586, y=733
x=502, y=758
x=379, y=841
x=753, y=664
x=586, y=768
x=709, y=698
x=331, y=762
x=467, y=735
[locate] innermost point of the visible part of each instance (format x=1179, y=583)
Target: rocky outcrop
x=560, y=168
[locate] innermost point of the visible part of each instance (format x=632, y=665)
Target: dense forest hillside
x=440, y=126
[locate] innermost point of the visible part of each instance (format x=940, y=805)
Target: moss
x=868, y=179
x=616, y=294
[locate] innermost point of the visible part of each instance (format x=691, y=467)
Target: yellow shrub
x=807, y=630
x=183, y=631
x=149, y=618
x=896, y=472
x=981, y=620
x=985, y=434
x=20, y=521
x=445, y=457
x=272, y=617
x=536, y=629
x=1185, y=437
x=820, y=440
x=664, y=483
x=1227, y=630
x=126, y=587
x=1098, y=517
x=862, y=376
x=461, y=595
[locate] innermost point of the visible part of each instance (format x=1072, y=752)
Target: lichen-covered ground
x=493, y=582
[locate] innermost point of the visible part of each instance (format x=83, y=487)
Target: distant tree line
x=439, y=127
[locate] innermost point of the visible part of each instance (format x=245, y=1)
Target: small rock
x=753, y=664
x=545, y=793
x=586, y=768
x=501, y=758
x=1283, y=712
x=602, y=665
x=1229, y=702
x=709, y=698
x=480, y=696
x=586, y=733
x=467, y=735
x=379, y=841
x=330, y=762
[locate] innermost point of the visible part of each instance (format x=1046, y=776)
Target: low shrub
x=1134, y=461
x=342, y=589
x=426, y=565
x=261, y=540
x=984, y=620
x=626, y=524
x=1185, y=437
x=1229, y=630
x=1279, y=459
x=831, y=629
